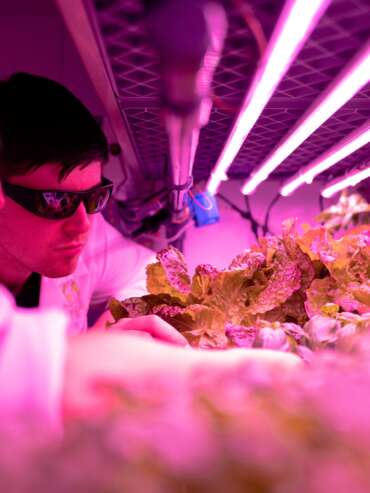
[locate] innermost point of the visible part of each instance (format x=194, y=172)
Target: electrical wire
x=265, y=227
x=255, y=225
x=321, y=202
x=244, y=214
x=199, y=204
x=253, y=23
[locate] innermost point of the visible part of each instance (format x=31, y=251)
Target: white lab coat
x=110, y=265
x=32, y=356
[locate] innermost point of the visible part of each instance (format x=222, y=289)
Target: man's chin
x=63, y=269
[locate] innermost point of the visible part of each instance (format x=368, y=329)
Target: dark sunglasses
x=59, y=204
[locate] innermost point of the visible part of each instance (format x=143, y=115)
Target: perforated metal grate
x=340, y=34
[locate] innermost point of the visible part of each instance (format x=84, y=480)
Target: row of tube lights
x=294, y=26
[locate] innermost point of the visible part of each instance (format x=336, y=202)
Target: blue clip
x=204, y=209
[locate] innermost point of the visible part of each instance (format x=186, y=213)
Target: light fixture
x=294, y=25
x=351, y=143
x=342, y=183
x=354, y=76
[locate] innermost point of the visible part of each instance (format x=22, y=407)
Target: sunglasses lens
x=97, y=200
x=57, y=205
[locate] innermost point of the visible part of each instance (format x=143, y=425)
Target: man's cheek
x=2, y=199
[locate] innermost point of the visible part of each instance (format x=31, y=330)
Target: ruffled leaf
x=117, y=309
x=304, y=263
x=315, y=243
x=271, y=338
x=348, y=210
x=354, y=297
x=240, y=335
x=248, y=261
x=268, y=246
x=350, y=259
x=292, y=310
x=169, y=275
x=140, y=306
x=321, y=292
x=201, y=284
x=284, y=281
x=202, y=326
x=322, y=331
x=229, y=294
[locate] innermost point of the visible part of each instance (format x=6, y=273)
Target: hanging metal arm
x=188, y=36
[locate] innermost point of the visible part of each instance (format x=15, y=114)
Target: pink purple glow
x=348, y=181
x=350, y=144
x=343, y=88
x=295, y=24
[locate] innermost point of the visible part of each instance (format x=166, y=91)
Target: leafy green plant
x=266, y=296
x=350, y=210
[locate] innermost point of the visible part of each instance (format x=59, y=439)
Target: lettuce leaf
x=321, y=292
x=240, y=335
x=272, y=338
x=201, y=284
x=292, y=310
x=117, y=309
x=169, y=275
x=344, y=331
x=354, y=297
x=268, y=246
x=347, y=211
x=284, y=281
x=322, y=331
x=140, y=306
x=202, y=326
x=248, y=261
x=350, y=259
x=304, y=263
x=229, y=294
x=315, y=243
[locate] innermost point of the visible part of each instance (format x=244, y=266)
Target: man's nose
x=79, y=223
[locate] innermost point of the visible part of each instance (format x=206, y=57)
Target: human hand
x=150, y=326
x=153, y=326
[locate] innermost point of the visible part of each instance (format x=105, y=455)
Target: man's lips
x=71, y=248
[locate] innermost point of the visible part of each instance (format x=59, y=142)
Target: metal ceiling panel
x=341, y=32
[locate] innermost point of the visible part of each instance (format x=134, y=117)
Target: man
x=56, y=249
x=51, y=263
x=55, y=253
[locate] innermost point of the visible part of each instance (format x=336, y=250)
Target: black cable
x=255, y=225
x=321, y=202
x=265, y=227
x=244, y=214
x=232, y=205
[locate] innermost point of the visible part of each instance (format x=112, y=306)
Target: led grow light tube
x=354, y=76
x=351, y=143
x=294, y=25
x=348, y=181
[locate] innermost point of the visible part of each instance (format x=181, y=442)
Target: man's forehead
x=48, y=176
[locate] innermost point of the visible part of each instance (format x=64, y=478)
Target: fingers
x=137, y=333
x=155, y=326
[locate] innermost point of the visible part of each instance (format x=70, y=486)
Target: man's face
x=49, y=247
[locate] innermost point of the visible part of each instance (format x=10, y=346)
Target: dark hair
x=42, y=122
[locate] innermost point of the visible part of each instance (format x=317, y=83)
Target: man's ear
x=2, y=200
